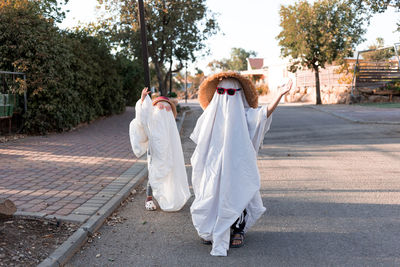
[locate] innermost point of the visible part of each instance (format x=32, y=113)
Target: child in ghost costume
x=225, y=176
x=154, y=130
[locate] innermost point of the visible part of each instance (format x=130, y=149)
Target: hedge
x=71, y=77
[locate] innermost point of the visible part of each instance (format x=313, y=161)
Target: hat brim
x=173, y=107
x=208, y=86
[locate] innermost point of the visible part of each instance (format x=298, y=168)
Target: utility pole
x=186, y=94
x=170, y=76
x=143, y=38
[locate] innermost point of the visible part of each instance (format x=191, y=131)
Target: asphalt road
x=332, y=192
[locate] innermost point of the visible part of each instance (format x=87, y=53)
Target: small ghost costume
x=155, y=130
x=225, y=175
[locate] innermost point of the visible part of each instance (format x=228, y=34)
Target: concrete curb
x=347, y=118
x=35, y=215
x=179, y=123
x=64, y=252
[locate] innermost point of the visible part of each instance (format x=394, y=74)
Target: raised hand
x=282, y=90
x=285, y=88
x=145, y=92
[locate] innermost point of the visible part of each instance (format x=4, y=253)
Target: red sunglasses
x=229, y=91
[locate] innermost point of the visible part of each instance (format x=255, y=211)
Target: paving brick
x=27, y=198
x=54, y=207
x=66, y=170
x=63, y=211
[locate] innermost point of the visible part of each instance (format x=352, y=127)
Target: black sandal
x=237, y=237
x=205, y=242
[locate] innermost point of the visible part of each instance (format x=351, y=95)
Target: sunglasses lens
x=220, y=91
x=231, y=91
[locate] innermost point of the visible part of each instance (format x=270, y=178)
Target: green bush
x=133, y=82
x=71, y=77
x=172, y=94
x=394, y=85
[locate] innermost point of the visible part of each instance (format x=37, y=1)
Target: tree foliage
x=176, y=30
x=370, y=7
x=317, y=34
x=378, y=55
x=377, y=6
x=71, y=77
x=237, y=60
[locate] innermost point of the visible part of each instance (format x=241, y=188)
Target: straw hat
x=208, y=86
x=165, y=99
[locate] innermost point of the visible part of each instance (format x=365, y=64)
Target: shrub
x=393, y=85
x=172, y=94
x=262, y=89
x=71, y=77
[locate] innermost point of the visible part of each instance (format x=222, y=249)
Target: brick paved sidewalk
x=69, y=175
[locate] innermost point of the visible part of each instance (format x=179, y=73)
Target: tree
x=237, y=60
x=377, y=6
x=197, y=79
x=176, y=30
x=217, y=65
x=319, y=34
x=53, y=9
x=370, y=7
x=50, y=9
x=378, y=55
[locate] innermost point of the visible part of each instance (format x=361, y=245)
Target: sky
x=252, y=25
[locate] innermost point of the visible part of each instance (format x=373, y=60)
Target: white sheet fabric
x=155, y=130
x=225, y=176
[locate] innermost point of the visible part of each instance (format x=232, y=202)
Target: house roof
x=256, y=63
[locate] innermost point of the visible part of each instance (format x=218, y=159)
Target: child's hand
x=285, y=88
x=145, y=92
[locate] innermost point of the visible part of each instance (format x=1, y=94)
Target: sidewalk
x=362, y=114
x=354, y=113
x=71, y=175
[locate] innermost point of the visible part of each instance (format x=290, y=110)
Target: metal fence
x=9, y=100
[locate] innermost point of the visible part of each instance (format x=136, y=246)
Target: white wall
x=276, y=74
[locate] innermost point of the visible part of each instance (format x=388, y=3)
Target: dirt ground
x=27, y=242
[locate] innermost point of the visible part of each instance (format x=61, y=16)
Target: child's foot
x=205, y=242
x=237, y=240
x=149, y=204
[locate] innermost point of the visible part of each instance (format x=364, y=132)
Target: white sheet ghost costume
x=154, y=130
x=225, y=174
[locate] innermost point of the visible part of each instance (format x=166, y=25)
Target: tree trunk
x=165, y=84
x=7, y=207
x=317, y=86
x=170, y=76
x=170, y=83
x=160, y=79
